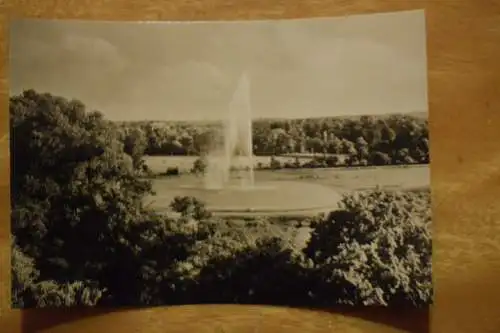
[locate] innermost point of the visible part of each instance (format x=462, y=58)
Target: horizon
x=409, y=113
x=340, y=115
x=186, y=71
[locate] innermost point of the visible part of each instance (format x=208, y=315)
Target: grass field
x=339, y=179
x=405, y=177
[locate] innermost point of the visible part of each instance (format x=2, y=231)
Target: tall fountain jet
x=237, y=152
x=235, y=192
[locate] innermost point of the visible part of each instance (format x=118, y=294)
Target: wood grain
x=464, y=97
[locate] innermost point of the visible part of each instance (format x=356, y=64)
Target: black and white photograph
x=279, y=162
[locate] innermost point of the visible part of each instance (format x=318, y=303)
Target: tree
x=349, y=148
x=281, y=141
x=27, y=291
x=332, y=161
x=379, y=158
x=296, y=163
x=199, y=165
x=52, y=294
x=362, y=148
x=376, y=249
x=264, y=271
x=75, y=192
x=135, y=143
x=334, y=145
x=203, y=140
x=172, y=171
x=190, y=207
x=360, y=142
x=186, y=141
x=154, y=269
x=315, y=145
x=387, y=134
x=402, y=156
x=24, y=275
x=275, y=164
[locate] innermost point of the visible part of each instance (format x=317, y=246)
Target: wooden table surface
x=464, y=96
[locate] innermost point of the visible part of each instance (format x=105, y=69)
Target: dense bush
x=199, y=166
x=75, y=192
x=190, y=207
x=275, y=164
x=265, y=272
x=29, y=291
x=377, y=246
x=374, y=250
x=172, y=171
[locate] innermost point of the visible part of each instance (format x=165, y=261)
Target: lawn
x=355, y=179
x=340, y=178
x=290, y=201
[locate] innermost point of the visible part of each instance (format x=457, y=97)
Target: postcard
x=281, y=162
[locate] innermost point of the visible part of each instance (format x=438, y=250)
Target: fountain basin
x=284, y=198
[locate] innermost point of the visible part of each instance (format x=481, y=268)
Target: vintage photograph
x=281, y=162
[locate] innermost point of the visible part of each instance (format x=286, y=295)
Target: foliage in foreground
x=82, y=237
x=377, y=246
x=28, y=291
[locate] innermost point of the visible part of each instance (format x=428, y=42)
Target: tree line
x=81, y=235
x=363, y=140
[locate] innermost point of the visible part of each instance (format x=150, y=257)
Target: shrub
x=332, y=161
x=172, y=171
x=28, y=291
x=190, y=206
x=275, y=164
x=380, y=158
x=265, y=272
x=51, y=294
x=377, y=248
x=297, y=163
x=199, y=166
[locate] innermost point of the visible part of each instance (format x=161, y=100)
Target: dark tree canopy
x=74, y=189
x=362, y=138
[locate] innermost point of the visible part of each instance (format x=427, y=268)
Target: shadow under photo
x=411, y=320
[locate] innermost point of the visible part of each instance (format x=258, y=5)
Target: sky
x=364, y=64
